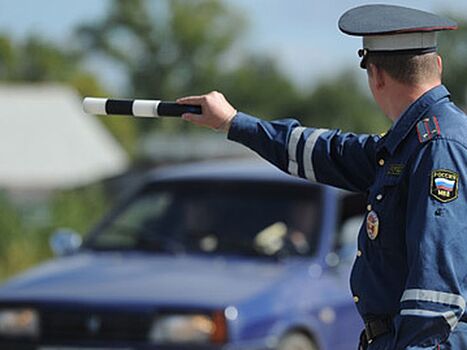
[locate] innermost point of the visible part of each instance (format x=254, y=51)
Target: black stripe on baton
x=166, y=109
x=123, y=107
x=172, y=109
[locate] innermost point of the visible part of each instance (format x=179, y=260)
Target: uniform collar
x=411, y=116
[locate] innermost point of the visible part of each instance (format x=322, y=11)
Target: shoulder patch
x=444, y=185
x=428, y=128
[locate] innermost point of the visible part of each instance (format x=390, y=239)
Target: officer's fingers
x=188, y=117
x=196, y=100
x=193, y=118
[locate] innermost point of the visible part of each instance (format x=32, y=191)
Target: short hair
x=408, y=69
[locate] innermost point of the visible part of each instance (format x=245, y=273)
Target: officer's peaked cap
x=391, y=29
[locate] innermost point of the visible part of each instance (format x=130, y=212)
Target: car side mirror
x=65, y=241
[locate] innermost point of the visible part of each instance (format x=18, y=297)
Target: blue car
x=225, y=255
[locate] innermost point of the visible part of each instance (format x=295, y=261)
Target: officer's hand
x=217, y=111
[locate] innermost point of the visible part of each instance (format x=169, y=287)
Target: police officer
x=410, y=275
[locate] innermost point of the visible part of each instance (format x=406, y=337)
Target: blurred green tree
x=342, y=103
x=20, y=247
x=23, y=245
x=453, y=49
x=37, y=60
x=259, y=87
x=163, y=52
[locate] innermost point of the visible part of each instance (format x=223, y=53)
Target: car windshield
x=236, y=218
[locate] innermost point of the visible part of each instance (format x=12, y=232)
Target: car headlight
x=192, y=329
x=19, y=323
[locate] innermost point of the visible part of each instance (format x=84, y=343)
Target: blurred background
x=271, y=58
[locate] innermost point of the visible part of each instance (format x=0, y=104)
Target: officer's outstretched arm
x=339, y=159
x=436, y=236
x=342, y=160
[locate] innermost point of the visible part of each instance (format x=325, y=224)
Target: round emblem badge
x=372, y=225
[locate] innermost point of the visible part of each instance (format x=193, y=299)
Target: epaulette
x=428, y=128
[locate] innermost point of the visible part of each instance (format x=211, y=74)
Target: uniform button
x=381, y=162
x=356, y=299
x=369, y=207
x=379, y=197
x=359, y=253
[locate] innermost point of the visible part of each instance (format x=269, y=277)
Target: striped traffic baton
x=137, y=108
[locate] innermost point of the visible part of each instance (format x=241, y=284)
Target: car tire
x=296, y=341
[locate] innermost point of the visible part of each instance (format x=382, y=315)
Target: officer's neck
x=400, y=96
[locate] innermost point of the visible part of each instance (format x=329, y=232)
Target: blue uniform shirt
x=412, y=263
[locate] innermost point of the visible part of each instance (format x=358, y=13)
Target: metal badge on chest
x=372, y=225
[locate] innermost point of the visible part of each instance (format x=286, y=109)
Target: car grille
x=94, y=326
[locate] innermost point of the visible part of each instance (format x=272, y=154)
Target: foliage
x=161, y=52
x=254, y=86
x=23, y=245
x=453, y=49
x=10, y=224
x=80, y=208
x=35, y=60
x=341, y=103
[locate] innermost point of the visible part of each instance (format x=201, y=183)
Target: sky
x=301, y=34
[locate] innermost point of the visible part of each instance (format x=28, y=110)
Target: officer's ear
x=377, y=76
x=439, y=62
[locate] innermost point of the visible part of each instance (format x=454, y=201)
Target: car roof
x=226, y=170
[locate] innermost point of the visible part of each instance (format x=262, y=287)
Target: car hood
x=144, y=278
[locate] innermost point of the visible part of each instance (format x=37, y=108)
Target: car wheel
x=296, y=341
